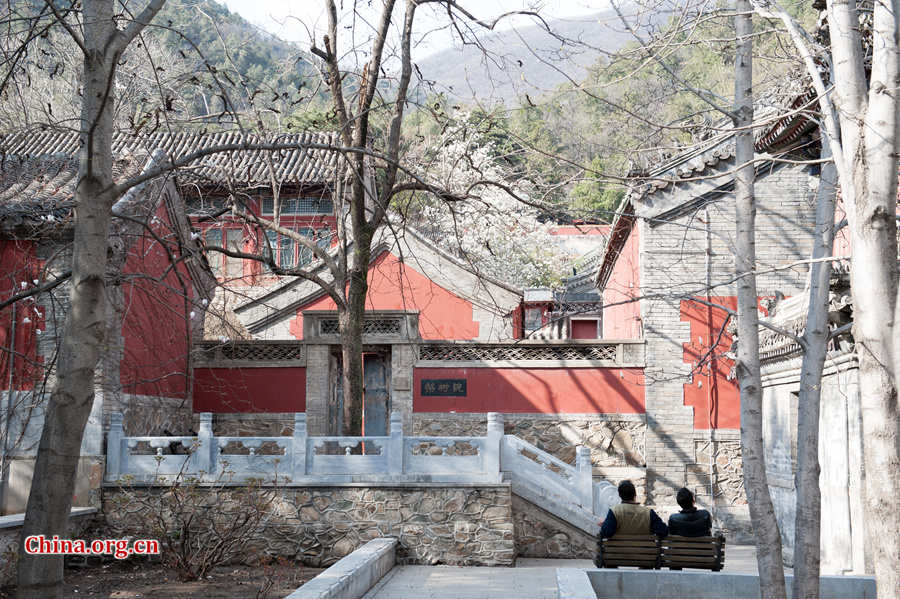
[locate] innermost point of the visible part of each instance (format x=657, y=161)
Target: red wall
x=536, y=390
x=715, y=399
x=155, y=327
x=395, y=286
x=623, y=320
x=228, y=390
x=18, y=264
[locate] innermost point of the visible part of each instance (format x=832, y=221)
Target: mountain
x=526, y=59
x=262, y=59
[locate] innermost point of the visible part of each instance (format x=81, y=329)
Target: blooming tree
x=497, y=229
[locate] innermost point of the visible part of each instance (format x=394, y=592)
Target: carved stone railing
x=548, y=478
x=563, y=489
x=301, y=459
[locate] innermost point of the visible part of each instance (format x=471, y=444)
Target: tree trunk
x=869, y=123
x=809, y=500
x=352, y=322
x=762, y=513
x=47, y=513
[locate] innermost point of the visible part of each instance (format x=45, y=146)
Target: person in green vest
x=631, y=518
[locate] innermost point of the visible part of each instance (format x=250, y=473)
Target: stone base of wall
x=435, y=524
x=253, y=425
x=541, y=534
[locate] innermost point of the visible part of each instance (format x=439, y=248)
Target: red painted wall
x=157, y=312
x=229, y=390
x=19, y=264
x=536, y=390
x=715, y=399
x=395, y=286
x=623, y=320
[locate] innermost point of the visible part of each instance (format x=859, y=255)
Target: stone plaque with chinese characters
x=443, y=387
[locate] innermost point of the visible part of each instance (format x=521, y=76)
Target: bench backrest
x=693, y=552
x=642, y=551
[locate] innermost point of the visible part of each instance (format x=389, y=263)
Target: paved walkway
x=530, y=579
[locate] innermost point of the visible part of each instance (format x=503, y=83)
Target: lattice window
x=371, y=326
x=329, y=326
x=254, y=352
x=516, y=352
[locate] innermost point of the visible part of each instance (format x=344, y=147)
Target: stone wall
x=842, y=476
x=541, y=534
x=435, y=524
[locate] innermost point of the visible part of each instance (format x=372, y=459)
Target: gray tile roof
x=39, y=170
x=300, y=166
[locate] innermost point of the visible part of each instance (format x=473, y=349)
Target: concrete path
x=530, y=579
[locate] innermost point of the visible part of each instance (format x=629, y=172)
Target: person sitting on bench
x=631, y=518
x=689, y=522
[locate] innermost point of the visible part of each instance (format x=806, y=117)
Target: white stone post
x=395, y=451
x=114, y=461
x=205, y=454
x=493, y=444
x=298, y=447
x=584, y=478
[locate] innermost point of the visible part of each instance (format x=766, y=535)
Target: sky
x=295, y=20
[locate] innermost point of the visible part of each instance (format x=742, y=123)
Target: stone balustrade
x=303, y=460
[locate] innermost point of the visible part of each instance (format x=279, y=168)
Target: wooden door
x=376, y=393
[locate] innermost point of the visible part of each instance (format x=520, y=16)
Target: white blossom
x=495, y=232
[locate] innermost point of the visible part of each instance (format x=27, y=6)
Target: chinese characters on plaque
x=443, y=387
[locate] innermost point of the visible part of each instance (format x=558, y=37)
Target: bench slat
x=689, y=552
x=626, y=554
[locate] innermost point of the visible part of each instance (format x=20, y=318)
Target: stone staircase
x=568, y=492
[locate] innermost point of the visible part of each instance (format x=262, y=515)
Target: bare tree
x=860, y=126
x=768, y=541
x=102, y=43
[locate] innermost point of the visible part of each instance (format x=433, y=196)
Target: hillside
x=262, y=60
x=524, y=59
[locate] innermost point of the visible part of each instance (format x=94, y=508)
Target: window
x=533, y=319
x=203, y=205
x=222, y=265
x=234, y=241
x=585, y=328
x=291, y=254
x=291, y=206
x=214, y=238
x=286, y=252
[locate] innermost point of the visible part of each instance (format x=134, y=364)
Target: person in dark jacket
x=689, y=522
x=631, y=518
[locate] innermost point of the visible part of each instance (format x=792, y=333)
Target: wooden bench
x=641, y=551
x=707, y=553
x=651, y=552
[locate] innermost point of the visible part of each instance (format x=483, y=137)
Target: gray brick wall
x=673, y=263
